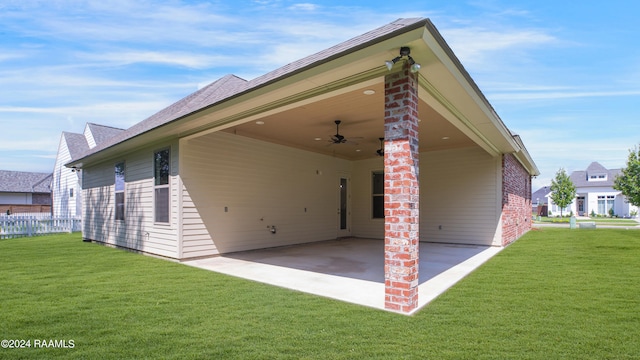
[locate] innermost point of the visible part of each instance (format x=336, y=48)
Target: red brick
x=401, y=191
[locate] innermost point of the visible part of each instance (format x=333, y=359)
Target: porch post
x=401, y=191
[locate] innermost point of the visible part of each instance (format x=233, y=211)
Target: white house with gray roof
x=66, y=184
x=595, y=194
x=293, y=157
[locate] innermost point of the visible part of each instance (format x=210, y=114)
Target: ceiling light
x=445, y=138
x=369, y=92
x=317, y=139
x=260, y=122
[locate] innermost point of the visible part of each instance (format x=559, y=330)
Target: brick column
x=401, y=191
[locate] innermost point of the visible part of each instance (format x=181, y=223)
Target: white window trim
x=163, y=186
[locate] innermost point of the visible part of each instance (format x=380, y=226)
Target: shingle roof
x=24, y=182
x=581, y=178
x=540, y=194
x=596, y=168
x=230, y=86
x=76, y=143
x=102, y=133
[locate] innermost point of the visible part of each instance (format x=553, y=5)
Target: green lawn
x=554, y=294
x=598, y=221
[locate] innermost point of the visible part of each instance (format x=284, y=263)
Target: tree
x=563, y=191
x=628, y=182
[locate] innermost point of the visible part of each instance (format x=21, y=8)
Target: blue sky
x=563, y=75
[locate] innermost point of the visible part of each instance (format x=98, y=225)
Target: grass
x=601, y=221
x=554, y=294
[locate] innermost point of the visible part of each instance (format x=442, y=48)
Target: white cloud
x=189, y=60
x=304, y=7
x=473, y=44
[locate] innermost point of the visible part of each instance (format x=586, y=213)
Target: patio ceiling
x=311, y=126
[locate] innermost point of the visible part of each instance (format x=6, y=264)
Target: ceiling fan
x=338, y=138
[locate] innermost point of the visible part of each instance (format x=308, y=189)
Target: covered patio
x=349, y=269
x=384, y=136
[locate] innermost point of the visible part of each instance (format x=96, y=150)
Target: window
x=161, y=168
x=119, y=190
x=605, y=203
x=377, y=193
x=71, y=192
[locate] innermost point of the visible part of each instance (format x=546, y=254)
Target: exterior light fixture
x=404, y=51
x=380, y=151
x=74, y=169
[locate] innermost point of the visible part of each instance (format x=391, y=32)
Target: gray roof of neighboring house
x=77, y=143
x=25, y=182
x=540, y=194
x=581, y=178
x=102, y=133
x=230, y=86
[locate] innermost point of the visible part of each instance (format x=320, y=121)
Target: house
x=293, y=156
x=24, y=192
x=595, y=194
x=539, y=201
x=66, y=189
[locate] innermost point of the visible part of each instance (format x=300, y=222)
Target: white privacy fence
x=13, y=226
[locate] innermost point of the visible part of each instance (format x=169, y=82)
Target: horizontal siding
x=138, y=231
x=459, y=200
x=458, y=197
x=241, y=186
x=196, y=240
x=363, y=223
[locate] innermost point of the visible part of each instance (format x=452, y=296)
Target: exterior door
x=581, y=205
x=344, y=211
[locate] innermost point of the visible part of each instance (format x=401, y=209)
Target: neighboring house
x=24, y=192
x=539, y=201
x=242, y=165
x=595, y=194
x=66, y=186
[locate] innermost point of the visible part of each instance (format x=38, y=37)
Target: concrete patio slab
x=350, y=270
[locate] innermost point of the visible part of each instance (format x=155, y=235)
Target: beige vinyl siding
x=460, y=196
x=363, y=223
x=196, y=241
x=242, y=186
x=459, y=191
x=138, y=231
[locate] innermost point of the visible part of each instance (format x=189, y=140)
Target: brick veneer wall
x=516, y=199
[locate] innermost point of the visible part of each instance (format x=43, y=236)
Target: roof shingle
x=24, y=182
